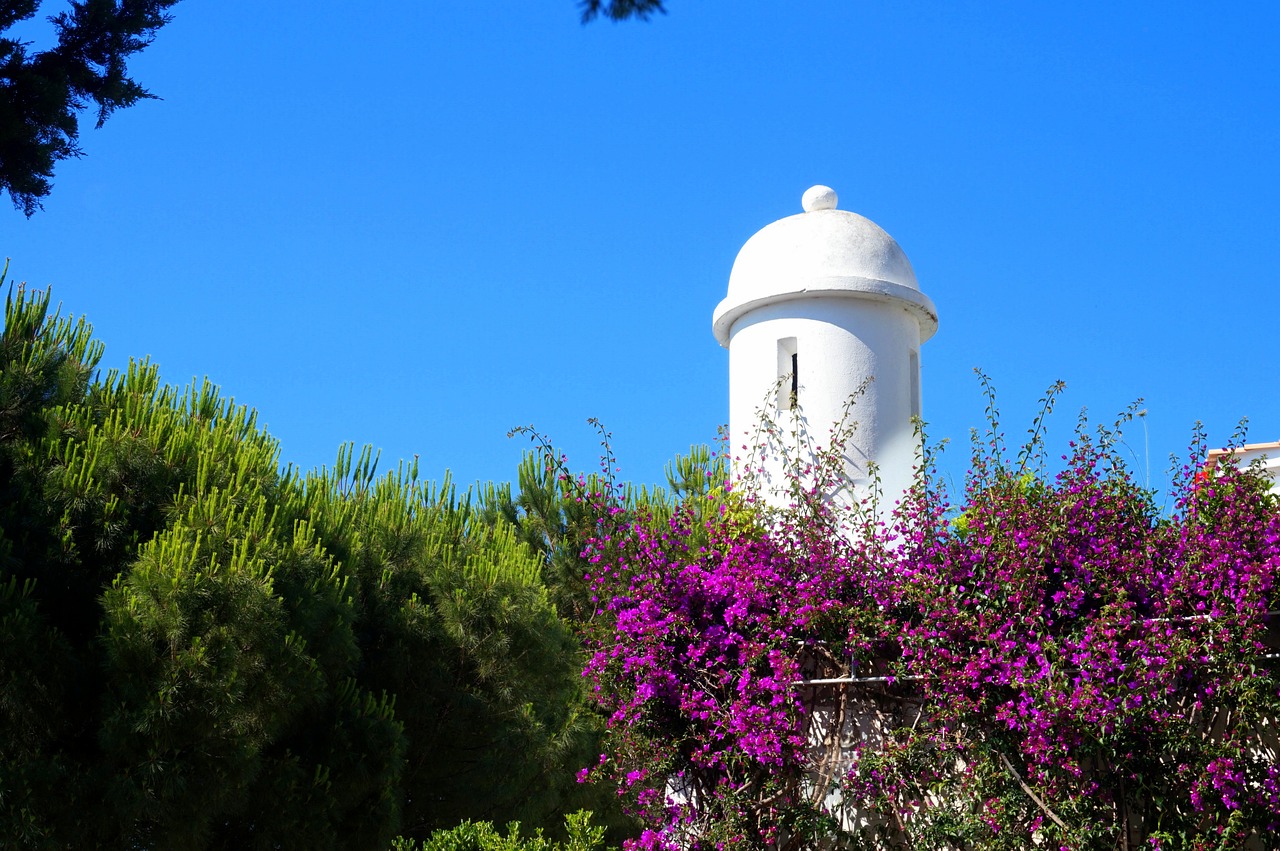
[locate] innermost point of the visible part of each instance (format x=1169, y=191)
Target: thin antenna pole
x=1146, y=447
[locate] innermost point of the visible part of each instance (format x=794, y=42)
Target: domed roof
x=821, y=252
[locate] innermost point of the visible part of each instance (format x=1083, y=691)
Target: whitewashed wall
x=833, y=289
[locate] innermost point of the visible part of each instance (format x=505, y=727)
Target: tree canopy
x=619, y=10
x=42, y=93
x=200, y=649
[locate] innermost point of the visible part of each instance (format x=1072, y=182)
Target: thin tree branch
x=1030, y=792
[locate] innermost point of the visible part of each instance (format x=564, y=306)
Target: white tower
x=821, y=304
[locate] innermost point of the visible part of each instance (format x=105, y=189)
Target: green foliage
x=559, y=513
x=200, y=650
x=459, y=627
x=619, y=10
x=481, y=836
x=42, y=93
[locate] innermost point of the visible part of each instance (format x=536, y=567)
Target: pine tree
x=200, y=650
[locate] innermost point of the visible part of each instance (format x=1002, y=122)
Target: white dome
x=822, y=252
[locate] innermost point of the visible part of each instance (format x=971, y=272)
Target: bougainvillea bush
x=711, y=623
x=1054, y=662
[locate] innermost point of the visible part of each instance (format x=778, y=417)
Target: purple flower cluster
x=1101, y=670
x=1062, y=665
x=709, y=620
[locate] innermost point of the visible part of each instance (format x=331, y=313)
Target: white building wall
x=842, y=343
x=835, y=291
x=1267, y=454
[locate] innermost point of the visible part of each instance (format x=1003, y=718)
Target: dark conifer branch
x=42, y=93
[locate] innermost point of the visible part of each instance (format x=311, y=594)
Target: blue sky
x=415, y=225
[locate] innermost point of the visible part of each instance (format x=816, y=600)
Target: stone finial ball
x=818, y=198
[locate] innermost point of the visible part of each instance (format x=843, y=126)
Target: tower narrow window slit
x=787, y=377
x=795, y=378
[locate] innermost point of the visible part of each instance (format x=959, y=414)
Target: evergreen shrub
x=203, y=648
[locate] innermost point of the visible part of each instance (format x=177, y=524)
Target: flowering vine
x=1053, y=663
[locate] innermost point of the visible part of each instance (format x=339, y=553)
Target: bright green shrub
x=200, y=650
x=481, y=836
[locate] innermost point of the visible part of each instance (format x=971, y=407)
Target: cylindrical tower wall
x=830, y=297
x=844, y=348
